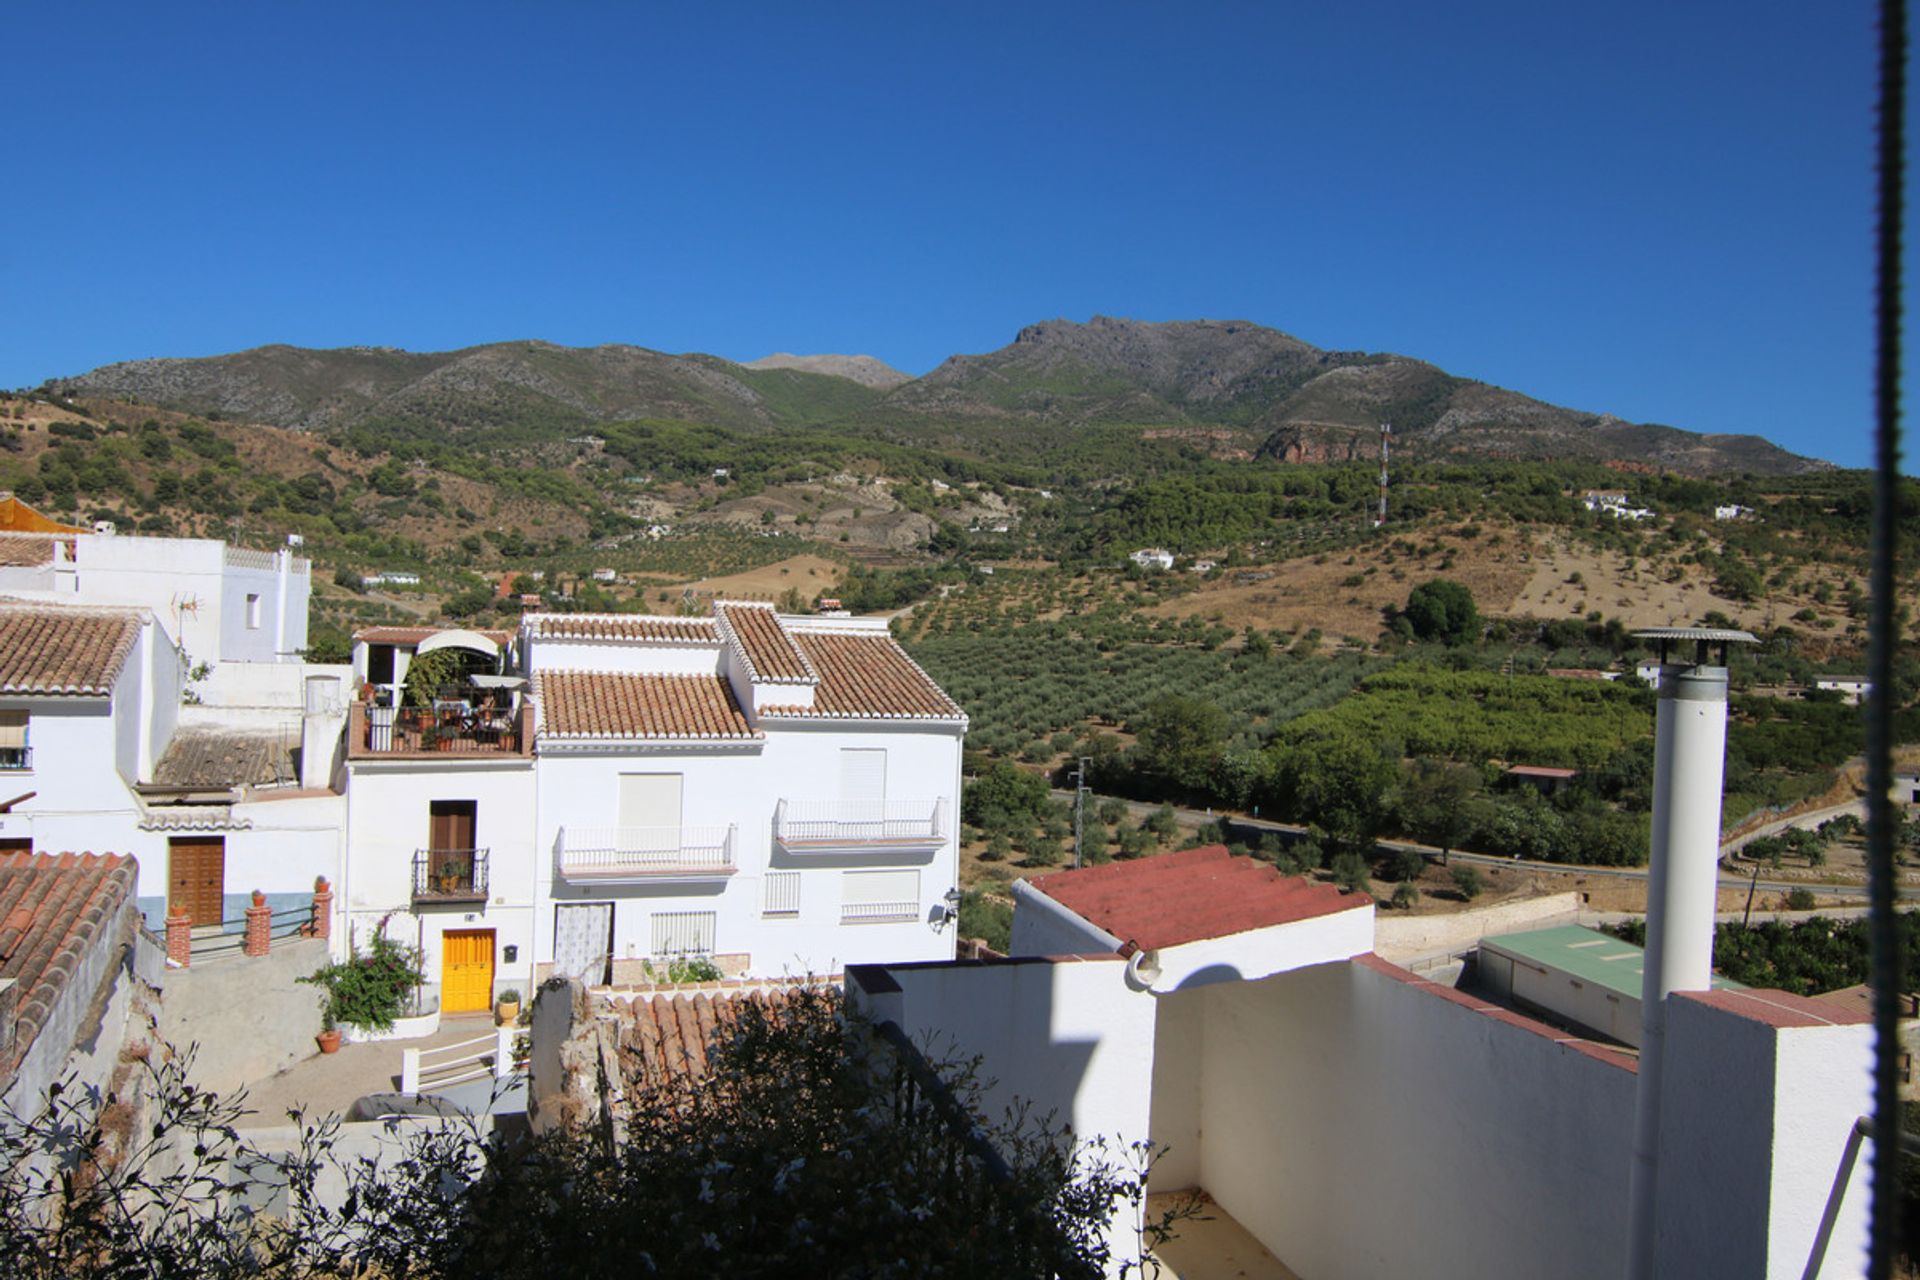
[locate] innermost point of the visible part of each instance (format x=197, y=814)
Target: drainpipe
x=1690, y=739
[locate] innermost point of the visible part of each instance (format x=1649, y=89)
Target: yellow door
x=466, y=970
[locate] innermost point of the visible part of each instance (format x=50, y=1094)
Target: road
x=1728, y=880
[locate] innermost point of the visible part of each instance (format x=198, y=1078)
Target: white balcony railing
x=618, y=852
x=858, y=822
x=878, y=912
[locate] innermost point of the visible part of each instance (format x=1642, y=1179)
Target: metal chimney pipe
x=1690, y=748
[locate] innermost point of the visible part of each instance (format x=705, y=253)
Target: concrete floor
x=331, y=1082
x=1212, y=1246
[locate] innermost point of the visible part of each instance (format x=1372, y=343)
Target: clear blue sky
x=1661, y=211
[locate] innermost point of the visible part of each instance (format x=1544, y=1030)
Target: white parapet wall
x=1403, y=939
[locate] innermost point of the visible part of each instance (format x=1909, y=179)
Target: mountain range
x=1237, y=388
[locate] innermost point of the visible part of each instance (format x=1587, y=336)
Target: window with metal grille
x=783, y=893
x=870, y=896
x=679, y=933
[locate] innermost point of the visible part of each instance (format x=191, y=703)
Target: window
x=253, y=610
x=870, y=897
x=13, y=741
x=783, y=893
x=680, y=933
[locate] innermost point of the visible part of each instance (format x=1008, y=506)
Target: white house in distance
x=1850, y=688
x=777, y=793
x=1152, y=558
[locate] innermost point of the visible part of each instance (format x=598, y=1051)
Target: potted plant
x=329, y=1036
x=369, y=989
x=506, y=1008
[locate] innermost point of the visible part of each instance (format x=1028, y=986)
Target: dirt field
x=811, y=574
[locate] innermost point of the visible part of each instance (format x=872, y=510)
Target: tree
x=1004, y=796
x=1181, y=739
x=1339, y=783
x=1441, y=609
x=1441, y=802
x=1350, y=872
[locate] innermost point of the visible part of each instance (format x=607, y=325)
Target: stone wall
x=1403, y=939
x=247, y=1015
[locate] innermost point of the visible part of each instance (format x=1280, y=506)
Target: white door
x=650, y=812
x=583, y=940
x=863, y=784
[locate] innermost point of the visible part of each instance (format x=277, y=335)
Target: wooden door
x=450, y=824
x=466, y=970
x=197, y=877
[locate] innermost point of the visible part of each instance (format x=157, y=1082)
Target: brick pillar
x=259, y=926
x=322, y=924
x=180, y=937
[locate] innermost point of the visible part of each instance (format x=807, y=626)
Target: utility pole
x=1080, y=813
x=1386, y=433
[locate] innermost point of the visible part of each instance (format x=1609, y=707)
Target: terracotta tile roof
x=1190, y=895
x=53, y=910
x=767, y=648
x=1541, y=771
x=666, y=1039
x=1781, y=1008
x=64, y=649
x=25, y=550
x=621, y=626
x=414, y=635
x=867, y=676
x=595, y=704
x=226, y=758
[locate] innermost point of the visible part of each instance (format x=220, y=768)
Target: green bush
x=1405, y=894
x=370, y=989
x=1466, y=879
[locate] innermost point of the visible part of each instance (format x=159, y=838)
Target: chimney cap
x=1715, y=635
x=1702, y=637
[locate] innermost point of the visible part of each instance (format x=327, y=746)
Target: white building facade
x=776, y=794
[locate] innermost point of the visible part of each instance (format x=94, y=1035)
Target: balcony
x=451, y=729
x=829, y=826
x=604, y=854
x=449, y=875
x=16, y=759
x=878, y=912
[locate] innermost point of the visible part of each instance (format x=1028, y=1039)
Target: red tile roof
x=1781, y=1008
x=414, y=635
x=53, y=910
x=596, y=704
x=1541, y=771
x=867, y=676
x=1189, y=896
x=766, y=647
x=666, y=1039
x=64, y=649
x=25, y=550
x=621, y=626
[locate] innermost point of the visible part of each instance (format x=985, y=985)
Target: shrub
x=1800, y=899
x=1405, y=894
x=1466, y=879
x=369, y=990
x=1350, y=872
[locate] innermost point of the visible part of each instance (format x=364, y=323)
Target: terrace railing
x=615, y=853
x=843, y=823
x=450, y=875
x=454, y=730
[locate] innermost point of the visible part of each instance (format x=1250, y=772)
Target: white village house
x=777, y=793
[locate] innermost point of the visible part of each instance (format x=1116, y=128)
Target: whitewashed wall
x=1361, y=1126
x=742, y=786
x=387, y=822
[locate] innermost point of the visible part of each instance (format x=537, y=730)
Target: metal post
x=1080, y=813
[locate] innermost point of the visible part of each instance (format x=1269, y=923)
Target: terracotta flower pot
x=329, y=1041
x=505, y=1011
